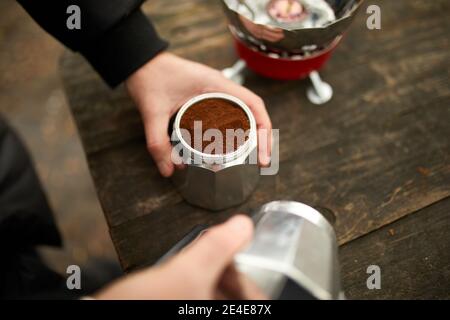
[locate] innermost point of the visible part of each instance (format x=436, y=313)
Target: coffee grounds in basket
x=216, y=113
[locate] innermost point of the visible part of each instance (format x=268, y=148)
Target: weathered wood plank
x=361, y=203
x=412, y=254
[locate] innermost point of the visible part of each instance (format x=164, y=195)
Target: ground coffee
x=216, y=113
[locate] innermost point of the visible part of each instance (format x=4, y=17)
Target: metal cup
x=320, y=24
x=293, y=254
x=216, y=181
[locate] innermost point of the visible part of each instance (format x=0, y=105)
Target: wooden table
x=377, y=155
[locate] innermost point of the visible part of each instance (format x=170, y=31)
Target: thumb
x=214, y=251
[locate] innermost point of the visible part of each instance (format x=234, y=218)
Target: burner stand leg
x=235, y=72
x=320, y=92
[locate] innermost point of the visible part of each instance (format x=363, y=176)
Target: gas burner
x=276, y=67
x=288, y=39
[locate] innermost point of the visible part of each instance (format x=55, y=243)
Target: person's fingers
x=215, y=249
x=236, y=285
x=264, y=146
x=258, y=108
x=158, y=142
x=264, y=128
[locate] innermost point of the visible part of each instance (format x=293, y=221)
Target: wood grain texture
x=377, y=152
x=412, y=254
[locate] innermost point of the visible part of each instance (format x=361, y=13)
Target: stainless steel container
x=293, y=254
x=216, y=181
x=319, y=23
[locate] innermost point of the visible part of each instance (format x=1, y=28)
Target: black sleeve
x=115, y=36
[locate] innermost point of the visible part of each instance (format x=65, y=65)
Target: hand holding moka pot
x=293, y=254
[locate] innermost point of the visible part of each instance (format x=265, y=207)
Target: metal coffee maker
x=288, y=39
x=293, y=254
x=216, y=181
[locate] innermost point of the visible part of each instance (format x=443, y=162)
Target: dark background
x=33, y=101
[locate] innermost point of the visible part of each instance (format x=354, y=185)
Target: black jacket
x=117, y=39
x=115, y=36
